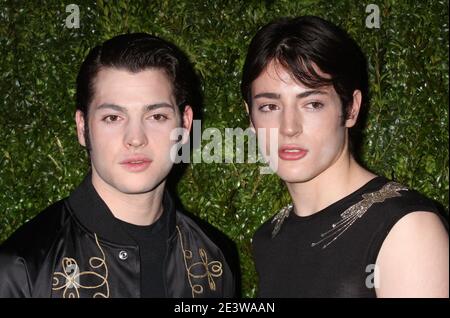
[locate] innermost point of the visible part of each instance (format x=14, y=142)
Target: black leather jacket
x=76, y=248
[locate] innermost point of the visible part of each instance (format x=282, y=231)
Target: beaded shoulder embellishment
x=348, y=217
x=279, y=218
x=356, y=211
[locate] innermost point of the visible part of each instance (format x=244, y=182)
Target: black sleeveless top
x=332, y=253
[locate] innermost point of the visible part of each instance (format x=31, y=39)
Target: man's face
x=311, y=137
x=130, y=120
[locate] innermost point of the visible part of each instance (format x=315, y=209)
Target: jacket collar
x=93, y=213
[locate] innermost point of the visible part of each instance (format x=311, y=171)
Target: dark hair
x=137, y=52
x=298, y=44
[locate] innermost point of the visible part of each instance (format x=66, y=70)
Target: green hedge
x=41, y=161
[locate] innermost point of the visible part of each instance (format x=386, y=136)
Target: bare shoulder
x=414, y=258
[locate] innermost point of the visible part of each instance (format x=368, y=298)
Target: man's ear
x=247, y=108
x=188, y=116
x=354, y=109
x=79, y=119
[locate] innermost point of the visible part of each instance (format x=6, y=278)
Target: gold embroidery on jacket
x=207, y=269
x=69, y=279
x=356, y=211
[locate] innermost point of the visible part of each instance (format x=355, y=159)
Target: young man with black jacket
x=118, y=234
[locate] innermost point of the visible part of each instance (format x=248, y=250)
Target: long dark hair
x=299, y=44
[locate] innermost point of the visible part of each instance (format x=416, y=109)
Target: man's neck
x=339, y=180
x=138, y=209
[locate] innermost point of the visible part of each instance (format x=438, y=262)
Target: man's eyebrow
x=146, y=108
x=301, y=95
x=267, y=95
x=158, y=105
x=112, y=106
x=312, y=92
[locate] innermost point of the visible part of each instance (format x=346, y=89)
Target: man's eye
x=159, y=117
x=111, y=118
x=268, y=107
x=315, y=105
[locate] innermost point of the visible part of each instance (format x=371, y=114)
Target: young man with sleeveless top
x=348, y=232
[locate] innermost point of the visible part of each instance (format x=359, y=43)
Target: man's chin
x=136, y=189
x=292, y=177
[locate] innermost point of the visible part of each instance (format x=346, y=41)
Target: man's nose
x=291, y=122
x=135, y=135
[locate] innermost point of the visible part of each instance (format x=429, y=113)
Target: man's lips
x=136, y=163
x=291, y=152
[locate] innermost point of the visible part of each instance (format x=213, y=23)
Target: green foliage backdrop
x=41, y=161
